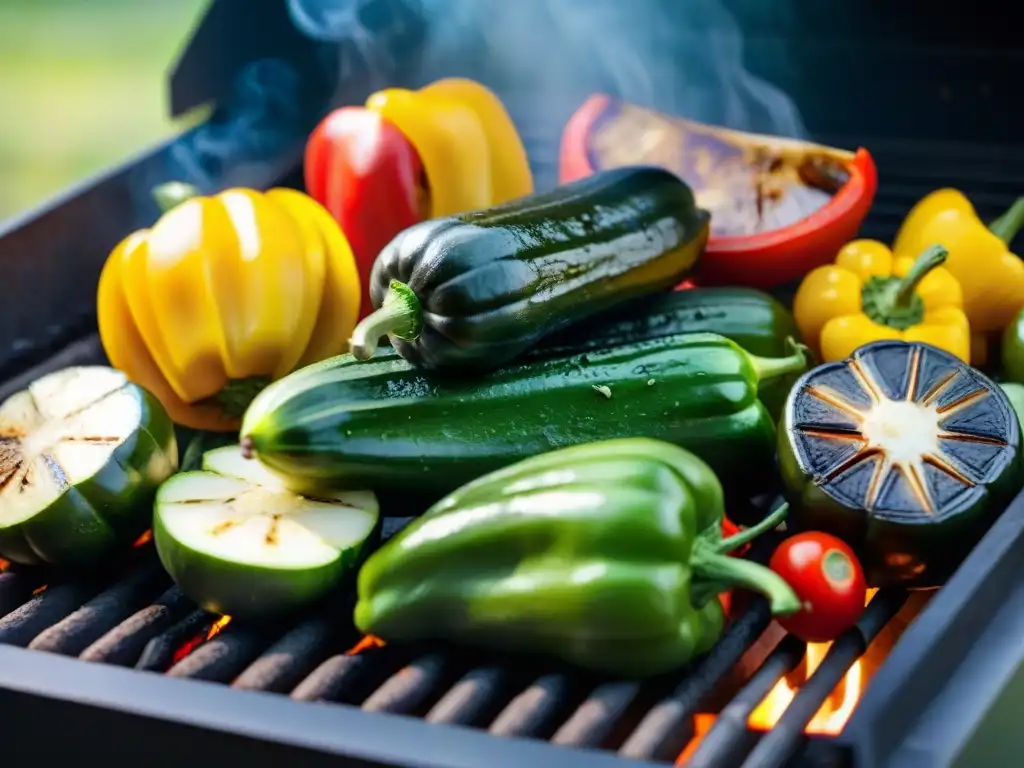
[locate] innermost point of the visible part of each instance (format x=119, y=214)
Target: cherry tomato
x=827, y=577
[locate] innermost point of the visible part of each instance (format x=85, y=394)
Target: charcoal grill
x=128, y=667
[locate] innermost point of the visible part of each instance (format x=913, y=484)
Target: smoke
x=544, y=57
x=266, y=115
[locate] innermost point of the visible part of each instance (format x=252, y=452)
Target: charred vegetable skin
x=384, y=424
x=903, y=451
x=477, y=289
x=609, y=556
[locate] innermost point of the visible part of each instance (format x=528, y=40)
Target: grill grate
x=139, y=620
x=142, y=621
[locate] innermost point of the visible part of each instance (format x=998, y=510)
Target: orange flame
x=200, y=638
x=368, y=642
x=144, y=539
x=837, y=709
x=834, y=711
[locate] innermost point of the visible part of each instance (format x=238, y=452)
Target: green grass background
x=82, y=86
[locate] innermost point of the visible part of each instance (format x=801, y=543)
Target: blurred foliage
x=82, y=86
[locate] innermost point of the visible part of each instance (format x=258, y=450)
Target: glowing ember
x=39, y=590
x=144, y=539
x=368, y=642
x=200, y=638
x=701, y=725
x=4, y=565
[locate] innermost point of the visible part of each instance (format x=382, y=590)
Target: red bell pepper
x=606, y=133
x=729, y=528
x=364, y=171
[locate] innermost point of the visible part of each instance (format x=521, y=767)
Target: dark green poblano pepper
x=607, y=555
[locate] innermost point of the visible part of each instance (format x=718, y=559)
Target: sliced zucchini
x=238, y=543
x=82, y=452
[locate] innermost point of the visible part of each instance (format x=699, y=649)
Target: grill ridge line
x=226, y=655
x=76, y=632
x=159, y=652
x=283, y=665
x=776, y=748
x=729, y=739
x=23, y=624
x=536, y=711
x=123, y=645
x=474, y=699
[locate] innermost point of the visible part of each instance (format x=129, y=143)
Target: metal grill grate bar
x=776, y=747
x=729, y=739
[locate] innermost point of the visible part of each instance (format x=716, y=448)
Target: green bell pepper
x=607, y=555
x=1013, y=349
x=1015, y=394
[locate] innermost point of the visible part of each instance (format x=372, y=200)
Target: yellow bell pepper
x=223, y=295
x=869, y=295
x=471, y=152
x=991, y=277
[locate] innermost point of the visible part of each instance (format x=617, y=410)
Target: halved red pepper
x=606, y=133
x=364, y=171
x=406, y=156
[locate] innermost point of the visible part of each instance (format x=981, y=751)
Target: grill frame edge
x=123, y=712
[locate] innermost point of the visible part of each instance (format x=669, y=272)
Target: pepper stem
x=923, y=264
x=1007, y=225
x=767, y=368
x=172, y=194
x=710, y=565
x=737, y=540
x=400, y=315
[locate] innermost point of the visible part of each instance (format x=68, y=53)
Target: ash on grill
x=752, y=700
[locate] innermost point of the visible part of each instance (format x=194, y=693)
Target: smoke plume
x=544, y=57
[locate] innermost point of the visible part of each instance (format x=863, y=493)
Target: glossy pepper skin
x=224, y=294
x=364, y=171
x=607, y=555
x=869, y=295
x=478, y=289
x=903, y=451
x=990, y=275
x=470, y=150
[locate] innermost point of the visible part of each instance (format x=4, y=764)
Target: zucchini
x=236, y=542
x=82, y=452
x=475, y=290
x=384, y=424
x=753, y=319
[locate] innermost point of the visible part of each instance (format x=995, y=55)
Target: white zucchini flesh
x=245, y=523
x=237, y=542
x=59, y=432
